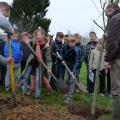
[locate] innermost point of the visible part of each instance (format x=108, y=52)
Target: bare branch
x=96, y=7
x=98, y=25
x=104, y=15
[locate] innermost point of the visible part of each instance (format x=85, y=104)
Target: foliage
x=28, y=15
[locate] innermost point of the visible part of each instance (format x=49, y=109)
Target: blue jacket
x=16, y=51
x=72, y=56
x=78, y=58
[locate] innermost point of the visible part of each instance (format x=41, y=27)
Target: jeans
x=70, y=82
x=37, y=81
x=16, y=72
x=26, y=78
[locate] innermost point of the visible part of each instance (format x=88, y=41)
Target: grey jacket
x=2, y=59
x=94, y=59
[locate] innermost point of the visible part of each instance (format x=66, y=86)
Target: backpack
x=16, y=51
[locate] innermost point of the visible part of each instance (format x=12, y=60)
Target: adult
x=5, y=25
x=112, y=57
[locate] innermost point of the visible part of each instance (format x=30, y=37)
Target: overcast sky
x=72, y=15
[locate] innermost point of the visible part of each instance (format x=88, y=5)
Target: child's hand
x=9, y=59
x=49, y=71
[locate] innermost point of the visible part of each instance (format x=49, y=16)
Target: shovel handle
x=41, y=61
x=12, y=81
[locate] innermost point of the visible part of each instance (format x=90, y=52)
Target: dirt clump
x=85, y=110
x=28, y=109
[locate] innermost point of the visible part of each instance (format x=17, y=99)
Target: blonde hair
x=24, y=34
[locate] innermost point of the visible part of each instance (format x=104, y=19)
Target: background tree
x=27, y=15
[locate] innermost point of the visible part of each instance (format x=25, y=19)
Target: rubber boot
x=116, y=110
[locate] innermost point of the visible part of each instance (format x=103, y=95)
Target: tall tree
x=27, y=15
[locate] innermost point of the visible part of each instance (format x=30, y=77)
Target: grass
x=56, y=100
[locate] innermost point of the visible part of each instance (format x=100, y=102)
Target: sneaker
x=109, y=95
x=65, y=96
x=101, y=94
x=68, y=100
x=90, y=94
x=7, y=88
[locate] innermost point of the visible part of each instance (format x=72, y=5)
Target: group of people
x=68, y=47
x=34, y=53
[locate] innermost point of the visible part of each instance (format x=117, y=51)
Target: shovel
x=79, y=85
x=60, y=83
x=12, y=80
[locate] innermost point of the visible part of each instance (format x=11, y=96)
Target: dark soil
x=85, y=110
x=28, y=109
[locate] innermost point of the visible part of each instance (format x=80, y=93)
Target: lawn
x=57, y=100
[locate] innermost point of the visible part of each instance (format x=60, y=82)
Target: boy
x=90, y=46
x=25, y=49
x=57, y=67
x=71, y=58
x=93, y=66
x=42, y=49
x=16, y=55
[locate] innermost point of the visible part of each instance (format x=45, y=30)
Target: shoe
x=65, y=96
x=101, y=94
x=68, y=100
x=90, y=94
x=77, y=91
x=109, y=95
x=7, y=88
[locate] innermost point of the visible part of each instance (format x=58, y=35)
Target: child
x=42, y=49
x=16, y=55
x=71, y=58
x=93, y=66
x=57, y=67
x=79, y=51
x=25, y=49
x=89, y=47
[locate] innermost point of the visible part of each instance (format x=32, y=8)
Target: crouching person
x=69, y=56
x=16, y=55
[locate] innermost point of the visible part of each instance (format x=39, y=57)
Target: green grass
x=56, y=100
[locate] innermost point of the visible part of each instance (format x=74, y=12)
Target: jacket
x=16, y=51
x=113, y=37
x=56, y=46
x=25, y=51
x=94, y=59
x=90, y=46
x=82, y=49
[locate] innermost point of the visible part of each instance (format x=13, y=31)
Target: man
x=2, y=67
x=5, y=25
x=90, y=46
x=112, y=57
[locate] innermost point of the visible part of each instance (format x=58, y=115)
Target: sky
x=73, y=16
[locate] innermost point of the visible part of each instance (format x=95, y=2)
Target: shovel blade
x=61, y=85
